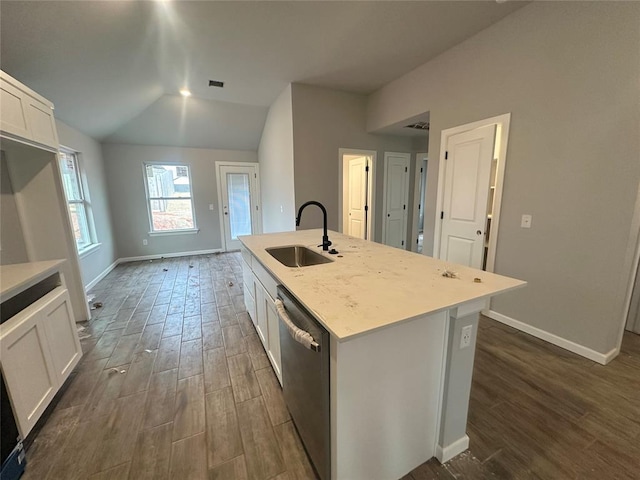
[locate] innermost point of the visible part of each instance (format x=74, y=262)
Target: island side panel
x=453, y=438
x=386, y=389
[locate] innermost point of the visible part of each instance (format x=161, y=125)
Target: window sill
x=89, y=250
x=175, y=232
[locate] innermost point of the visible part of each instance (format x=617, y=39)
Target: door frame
x=420, y=157
x=384, y=195
x=343, y=181
x=502, y=123
x=255, y=224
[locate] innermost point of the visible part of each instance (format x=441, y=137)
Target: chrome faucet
x=325, y=238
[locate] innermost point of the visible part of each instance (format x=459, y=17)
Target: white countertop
x=16, y=278
x=371, y=285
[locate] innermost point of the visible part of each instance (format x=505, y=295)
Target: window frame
x=84, y=200
x=149, y=199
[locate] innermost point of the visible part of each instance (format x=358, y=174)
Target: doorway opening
x=419, y=198
x=469, y=195
x=356, y=199
x=238, y=201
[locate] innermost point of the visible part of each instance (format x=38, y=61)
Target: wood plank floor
x=175, y=384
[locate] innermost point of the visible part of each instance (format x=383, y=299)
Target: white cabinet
x=273, y=328
x=60, y=327
x=39, y=349
x=259, y=297
x=26, y=116
x=28, y=370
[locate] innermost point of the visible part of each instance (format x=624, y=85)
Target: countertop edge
x=37, y=271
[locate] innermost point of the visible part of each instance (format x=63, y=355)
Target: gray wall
x=92, y=165
x=569, y=74
x=11, y=236
x=125, y=180
x=275, y=155
x=324, y=121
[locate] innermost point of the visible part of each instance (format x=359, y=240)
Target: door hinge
x=402, y=242
x=255, y=175
x=405, y=169
x=404, y=207
x=256, y=207
x=366, y=208
x=420, y=169
x=417, y=241
x=446, y=155
x=441, y=215
x=366, y=169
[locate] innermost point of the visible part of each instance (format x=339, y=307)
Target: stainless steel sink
x=297, y=256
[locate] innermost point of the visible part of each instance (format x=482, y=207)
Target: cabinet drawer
x=247, y=278
x=246, y=255
x=270, y=284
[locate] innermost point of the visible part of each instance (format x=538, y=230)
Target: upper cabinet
x=26, y=116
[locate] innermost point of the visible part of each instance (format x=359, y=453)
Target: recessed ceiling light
x=185, y=93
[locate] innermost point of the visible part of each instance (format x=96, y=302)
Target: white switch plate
x=465, y=336
x=145, y=242
x=526, y=221
x=211, y=206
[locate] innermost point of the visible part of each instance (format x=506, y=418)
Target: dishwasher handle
x=301, y=336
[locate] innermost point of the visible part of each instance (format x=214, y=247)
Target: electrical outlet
x=465, y=336
x=145, y=242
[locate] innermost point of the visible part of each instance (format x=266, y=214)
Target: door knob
x=478, y=232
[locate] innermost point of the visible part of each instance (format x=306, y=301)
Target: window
x=79, y=207
x=169, y=198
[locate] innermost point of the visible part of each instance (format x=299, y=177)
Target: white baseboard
x=444, y=454
x=169, y=255
x=602, y=358
x=95, y=281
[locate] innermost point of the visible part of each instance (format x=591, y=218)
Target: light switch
x=211, y=206
x=526, y=221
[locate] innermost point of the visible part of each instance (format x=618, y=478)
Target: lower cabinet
x=262, y=310
x=39, y=348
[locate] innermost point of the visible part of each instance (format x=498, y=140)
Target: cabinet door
x=60, y=326
x=274, y=338
x=13, y=118
x=249, y=290
x=41, y=123
x=28, y=369
x=261, y=314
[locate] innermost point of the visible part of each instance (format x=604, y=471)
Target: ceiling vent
x=216, y=83
x=419, y=126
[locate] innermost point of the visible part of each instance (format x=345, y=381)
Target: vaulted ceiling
x=114, y=69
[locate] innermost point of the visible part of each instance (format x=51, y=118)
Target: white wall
x=92, y=164
x=324, y=121
x=275, y=155
x=12, y=242
x=569, y=73
x=125, y=180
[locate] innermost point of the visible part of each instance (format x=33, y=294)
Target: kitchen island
x=399, y=376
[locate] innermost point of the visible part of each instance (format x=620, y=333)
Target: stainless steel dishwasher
x=304, y=345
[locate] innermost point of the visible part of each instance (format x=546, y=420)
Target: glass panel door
x=239, y=198
x=239, y=207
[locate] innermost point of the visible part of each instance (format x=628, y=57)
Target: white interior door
x=239, y=202
x=466, y=190
x=357, y=198
x=396, y=198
